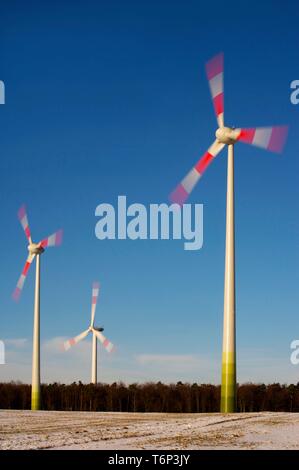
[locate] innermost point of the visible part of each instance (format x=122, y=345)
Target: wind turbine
x=35, y=250
x=96, y=334
x=269, y=138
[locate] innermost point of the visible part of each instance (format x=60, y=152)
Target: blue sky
x=110, y=98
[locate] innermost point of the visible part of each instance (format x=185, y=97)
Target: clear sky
x=108, y=98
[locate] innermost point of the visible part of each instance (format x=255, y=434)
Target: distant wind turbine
x=269, y=138
x=35, y=250
x=96, y=334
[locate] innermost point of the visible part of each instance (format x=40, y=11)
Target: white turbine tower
x=269, y=138
x=35, y=250
x=96, y=334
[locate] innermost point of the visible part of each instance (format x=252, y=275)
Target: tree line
x=150, y=397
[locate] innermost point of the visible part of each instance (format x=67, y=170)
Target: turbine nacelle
x=95, y=328
x=98, y=328
x=35, y=249
x=227, y=135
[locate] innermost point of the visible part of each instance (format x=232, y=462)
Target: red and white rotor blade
x=269, y=138
x=94, y=299
x=22, y=215
x=53, y=240
x=182, y=191
x=71, y=342
x=214, y=70
x=17, y=292
x=105, y=342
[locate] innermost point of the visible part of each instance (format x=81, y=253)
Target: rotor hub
x=227, y=135
x=35, y=249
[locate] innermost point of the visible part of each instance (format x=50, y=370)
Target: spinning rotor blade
x=71, y=342
x=269, y=138
x=94, y=299
x=214, y=70
x=17, y=292
x=22, y=215
x=105, y=342
x=53, y=240
x=182, y=191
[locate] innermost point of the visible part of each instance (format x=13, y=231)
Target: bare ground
x=118, y=431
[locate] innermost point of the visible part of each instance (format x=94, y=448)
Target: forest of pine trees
x=150, y=397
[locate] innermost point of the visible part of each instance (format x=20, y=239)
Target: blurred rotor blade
x=94, y=299
x=269, y=138
x=182, y=191
x=22, y=215
x=17, y=292
x=71, y=342
x=214, y=70
x=105, y=342
x=53, y=240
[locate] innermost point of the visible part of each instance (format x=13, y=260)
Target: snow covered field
x=118, y=431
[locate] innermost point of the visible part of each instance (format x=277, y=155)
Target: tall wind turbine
x=269, y=138
x=35, y=250
x=96, y=334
